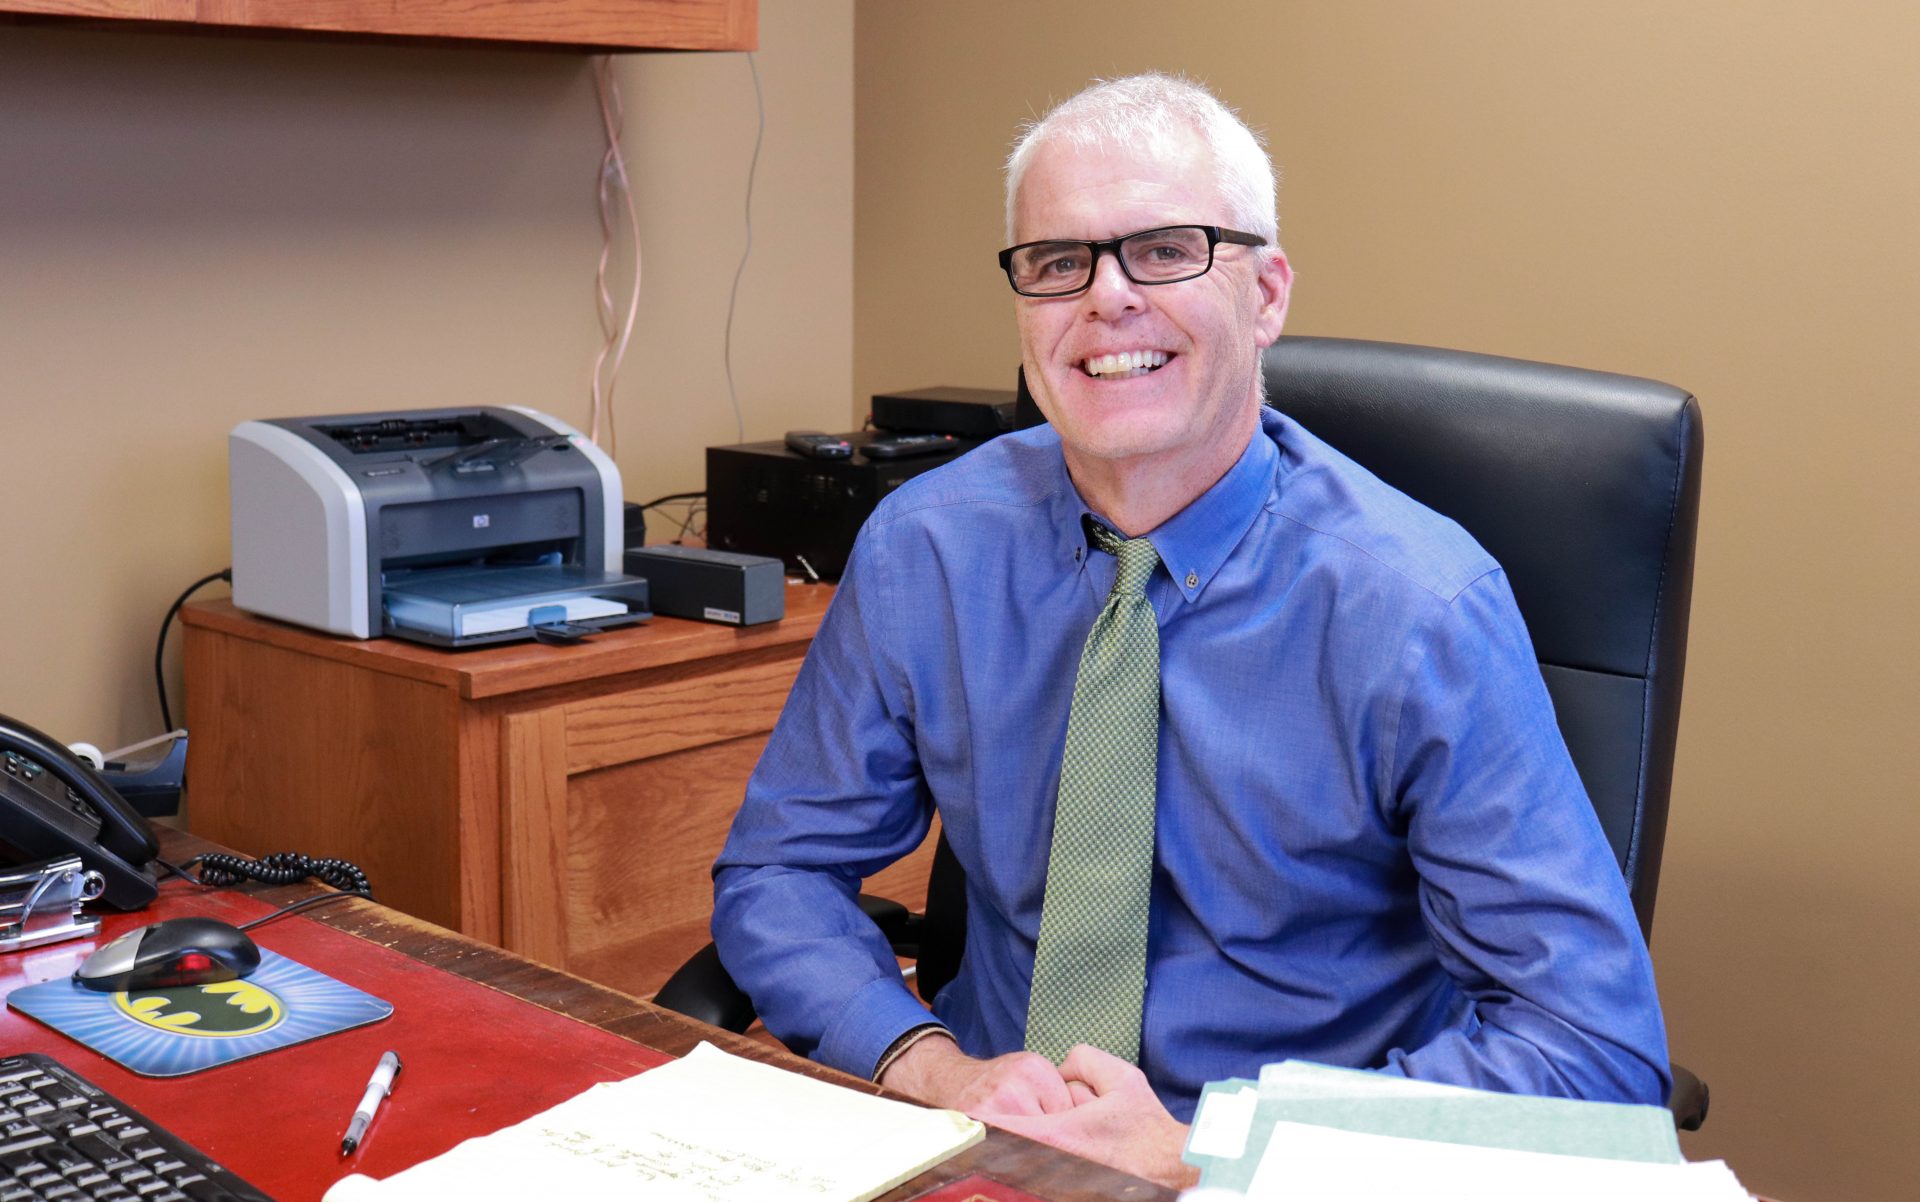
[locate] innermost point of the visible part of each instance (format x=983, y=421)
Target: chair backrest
x=1586, y=487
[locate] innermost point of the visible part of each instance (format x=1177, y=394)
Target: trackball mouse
x=172, y=954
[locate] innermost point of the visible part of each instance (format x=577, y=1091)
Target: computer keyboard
x=64, y=1139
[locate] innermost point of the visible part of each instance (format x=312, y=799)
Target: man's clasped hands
x=1093, y=1104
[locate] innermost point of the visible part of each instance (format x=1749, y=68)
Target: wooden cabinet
x=563, y=802
x=598, y=25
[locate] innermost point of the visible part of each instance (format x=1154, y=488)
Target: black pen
x=379, y=1087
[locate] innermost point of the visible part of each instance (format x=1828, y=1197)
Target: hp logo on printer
x=481, y=521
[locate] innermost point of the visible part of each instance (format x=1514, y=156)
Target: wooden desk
x=463, y=1010
x=563, y=802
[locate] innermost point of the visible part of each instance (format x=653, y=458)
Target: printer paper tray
x=479, y=606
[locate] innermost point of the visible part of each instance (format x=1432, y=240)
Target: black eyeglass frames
x=1167, y=255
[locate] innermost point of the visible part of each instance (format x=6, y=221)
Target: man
x=1364, y=841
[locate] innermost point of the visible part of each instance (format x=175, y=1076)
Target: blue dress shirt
x=1371, y=848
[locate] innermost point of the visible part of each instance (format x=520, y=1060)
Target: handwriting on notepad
x=708, y=1127
x=720, y=1173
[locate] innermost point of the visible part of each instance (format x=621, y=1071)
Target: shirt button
x=1193, y=579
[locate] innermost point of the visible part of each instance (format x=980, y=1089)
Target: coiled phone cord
x=220, y=870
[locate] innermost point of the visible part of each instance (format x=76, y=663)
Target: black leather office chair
x=1584, y=485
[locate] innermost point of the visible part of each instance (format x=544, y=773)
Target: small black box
x=712, y=586
x=977, y=413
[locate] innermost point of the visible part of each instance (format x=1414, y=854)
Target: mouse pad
x=173, y=1032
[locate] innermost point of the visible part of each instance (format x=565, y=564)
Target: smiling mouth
x=1124, y=365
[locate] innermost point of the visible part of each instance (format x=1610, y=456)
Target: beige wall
x=1722, y=195
x=198, y=231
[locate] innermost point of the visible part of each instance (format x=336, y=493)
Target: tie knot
x=1136, y=555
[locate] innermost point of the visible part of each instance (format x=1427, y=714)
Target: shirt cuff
x=869, y=1024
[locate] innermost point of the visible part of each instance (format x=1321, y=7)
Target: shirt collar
x=1194, y=543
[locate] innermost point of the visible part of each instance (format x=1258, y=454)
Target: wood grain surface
x=597, y=24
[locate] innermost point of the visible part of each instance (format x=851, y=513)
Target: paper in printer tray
x=475, y=606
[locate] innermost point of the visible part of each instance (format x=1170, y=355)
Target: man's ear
x=1275, y=285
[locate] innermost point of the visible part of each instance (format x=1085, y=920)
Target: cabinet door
x=613, y=809
x=297, y=752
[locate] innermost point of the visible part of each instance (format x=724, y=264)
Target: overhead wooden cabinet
x=599, y=25
x=563, y=802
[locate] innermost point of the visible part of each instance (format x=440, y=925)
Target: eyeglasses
x=1168, y=255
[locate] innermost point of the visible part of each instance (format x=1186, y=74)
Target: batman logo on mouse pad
x=173, y=1032
x=222, y=1010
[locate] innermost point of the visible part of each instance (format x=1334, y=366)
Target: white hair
x=1150, y=110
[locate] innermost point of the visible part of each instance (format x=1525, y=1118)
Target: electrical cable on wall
x=696, y=507
x=615, y=191
x=733, y=296
x=160, y=644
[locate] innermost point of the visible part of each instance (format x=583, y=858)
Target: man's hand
x=937, y=1072
x=1116, y=1120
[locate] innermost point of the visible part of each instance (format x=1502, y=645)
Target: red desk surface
x=475, y=1059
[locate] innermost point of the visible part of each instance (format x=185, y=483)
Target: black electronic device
x=763, y=499
x=977, y=413
x=52, y=804
x=72, y=1139
x=173, y=954
x=711, y=586
x=906, y=446
x=815, y=445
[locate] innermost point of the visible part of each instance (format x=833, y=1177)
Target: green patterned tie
x=1089, y=970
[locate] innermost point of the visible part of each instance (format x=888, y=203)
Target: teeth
x=1125, y=363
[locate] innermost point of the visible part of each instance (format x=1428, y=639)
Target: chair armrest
x=703, y=989
x=900, y=925
x=1688, y=1101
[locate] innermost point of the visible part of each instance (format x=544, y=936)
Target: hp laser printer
x=454, y=527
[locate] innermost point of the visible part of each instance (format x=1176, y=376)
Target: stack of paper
x=706, y=1128
x=513, y=616
x=1305, y=1131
